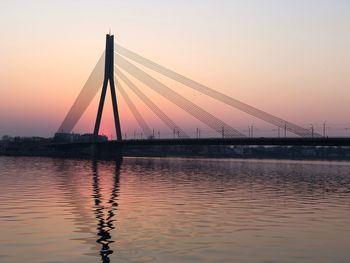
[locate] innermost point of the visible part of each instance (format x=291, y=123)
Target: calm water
x=174, y=210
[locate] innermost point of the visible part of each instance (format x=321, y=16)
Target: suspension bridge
x=120, y=67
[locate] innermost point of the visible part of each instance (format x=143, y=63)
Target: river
x=174, y=210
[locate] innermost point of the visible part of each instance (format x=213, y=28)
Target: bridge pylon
x=108, y=77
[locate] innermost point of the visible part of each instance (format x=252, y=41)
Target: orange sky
x=288, y=58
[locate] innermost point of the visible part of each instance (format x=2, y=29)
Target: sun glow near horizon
x=290, y=59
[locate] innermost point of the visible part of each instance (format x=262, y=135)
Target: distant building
x=66, y=137
x=89, y=137
x=76, y=137
x=7, y=138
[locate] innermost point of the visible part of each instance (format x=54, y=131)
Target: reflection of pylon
x=108, y=76
x=105, y=225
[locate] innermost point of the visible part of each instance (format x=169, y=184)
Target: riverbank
x=46, y=148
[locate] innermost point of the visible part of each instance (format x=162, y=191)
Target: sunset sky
x=289, y=58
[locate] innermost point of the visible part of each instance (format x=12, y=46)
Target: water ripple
x=173, y=210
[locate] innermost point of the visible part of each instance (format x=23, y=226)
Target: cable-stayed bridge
x=118, y=66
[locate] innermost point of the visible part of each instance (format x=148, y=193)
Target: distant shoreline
x=43, y=147
x=189, y=156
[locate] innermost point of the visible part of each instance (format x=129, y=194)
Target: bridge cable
x=140, y=120
x=196, y=111
x=152, y=106
x=86, y=95
x=291, y=127
x=201, y=115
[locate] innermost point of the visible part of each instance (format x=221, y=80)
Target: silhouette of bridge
x=121, y=63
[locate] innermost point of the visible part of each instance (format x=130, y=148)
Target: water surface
x=173, y=210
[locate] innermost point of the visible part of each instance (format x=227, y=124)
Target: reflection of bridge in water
x=100, y=221
x=105, y=225
x=285, y=185
x=127, y=65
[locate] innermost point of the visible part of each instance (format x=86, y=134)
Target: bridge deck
x=334, y=141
